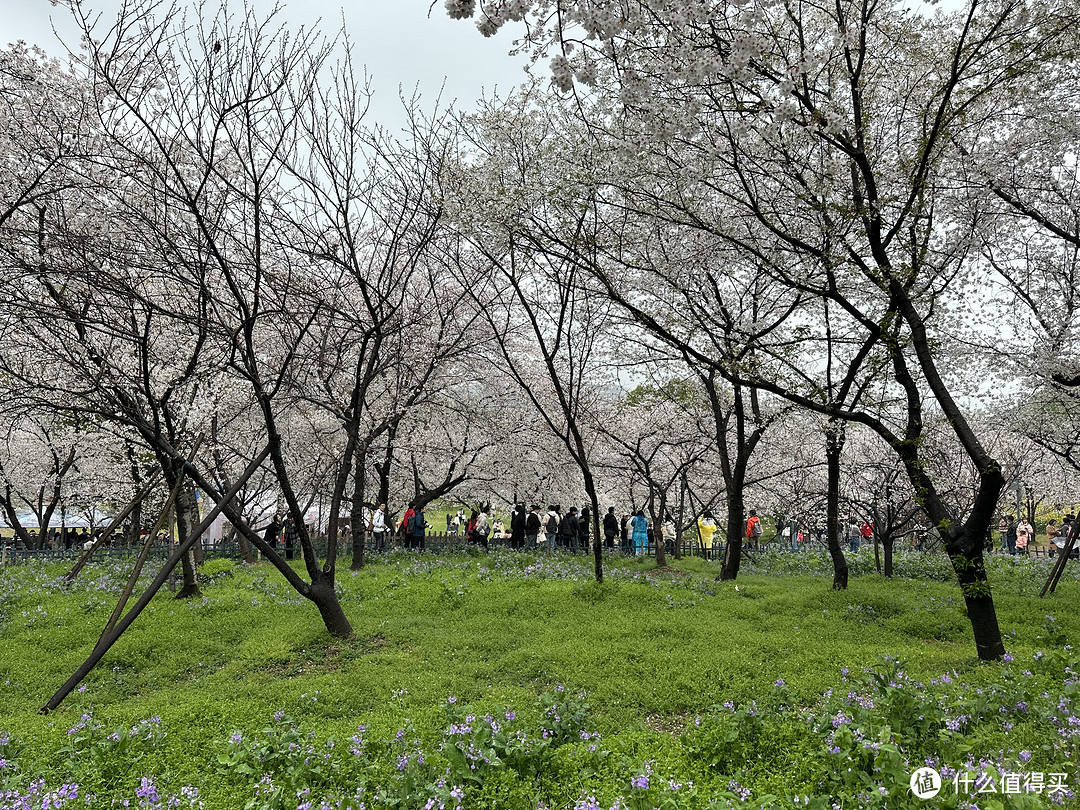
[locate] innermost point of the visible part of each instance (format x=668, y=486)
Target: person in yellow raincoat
x=706, y=528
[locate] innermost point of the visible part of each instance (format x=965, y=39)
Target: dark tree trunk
x=594, y=501
x=356, y=519
x=323, y=595
x=677, y=548
x=887, y=541
x=247, y=553
x=735, y=524
x=834, y=446
x=658, y=533
x=135, y=532
x=971, y=574
x=187, y=518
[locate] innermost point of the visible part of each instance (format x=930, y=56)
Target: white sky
x=395, y=39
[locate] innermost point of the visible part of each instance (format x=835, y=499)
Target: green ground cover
x=464, y=688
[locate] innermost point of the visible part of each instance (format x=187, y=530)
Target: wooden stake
x=102, y=647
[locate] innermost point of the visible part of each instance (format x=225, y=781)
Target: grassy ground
x=655, y=652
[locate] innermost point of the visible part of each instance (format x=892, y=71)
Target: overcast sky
x=395, y=39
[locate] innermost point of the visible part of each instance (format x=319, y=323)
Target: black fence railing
x=433, y=542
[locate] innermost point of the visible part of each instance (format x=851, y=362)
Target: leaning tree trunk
x=834, y=446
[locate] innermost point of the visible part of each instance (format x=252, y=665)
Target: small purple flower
x=1008, y=659
x=640, y=782
x=1025, y=756
x=147, y=791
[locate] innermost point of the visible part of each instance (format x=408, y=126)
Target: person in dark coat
x=568, y=529
x=611, y=527
x=288, y=530
x=533, y=525
x=271, y=532
x=517, y=527
x=417, y=524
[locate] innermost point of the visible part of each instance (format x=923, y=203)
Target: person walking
x=1003, y=532
x=624, y=534
x=640, y=527
x=611, y=527
x=754, y=529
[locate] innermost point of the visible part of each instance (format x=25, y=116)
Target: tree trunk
x=187, y=518
x=735, y=524
x=356, y=518
x=834, y=445
x=135, y=532
x=677, y=549
x=247, y=553
x=887, y=541
x=594, y=500
x=971, y=574
x=658, y=539
x=323, y=595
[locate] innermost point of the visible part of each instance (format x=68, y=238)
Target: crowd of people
x=1019, y=537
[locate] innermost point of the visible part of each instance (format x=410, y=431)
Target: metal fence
x=433, y=543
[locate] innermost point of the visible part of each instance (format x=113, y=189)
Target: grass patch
x=732, y=689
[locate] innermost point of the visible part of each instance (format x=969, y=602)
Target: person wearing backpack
x=551, y=528
x=483, y=526
x=753, y=529
x=403, y=527
x=416, y=526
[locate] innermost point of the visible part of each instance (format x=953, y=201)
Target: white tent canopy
x=76, y=521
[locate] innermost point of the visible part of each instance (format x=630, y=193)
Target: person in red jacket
x=753, y=529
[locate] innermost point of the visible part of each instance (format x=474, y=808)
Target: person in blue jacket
x=640, y=525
